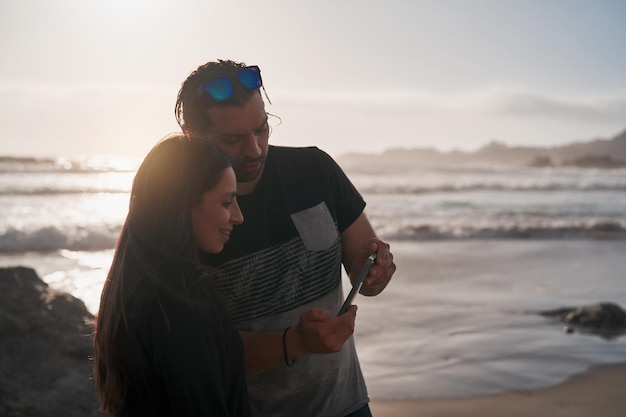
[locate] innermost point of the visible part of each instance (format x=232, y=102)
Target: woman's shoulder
x=181, y=290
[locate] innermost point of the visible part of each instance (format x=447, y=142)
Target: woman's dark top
x=184, y=360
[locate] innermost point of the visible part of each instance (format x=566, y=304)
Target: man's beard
x=247, y=176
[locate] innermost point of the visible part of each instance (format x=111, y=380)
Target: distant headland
x=598, y=153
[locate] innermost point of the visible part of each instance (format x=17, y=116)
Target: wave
x=12, y=189
x=96, y=163
x=49, y=239
x=606, y=230
x=29, y=183
x=50, y=191
x=52, y=239
x=407, y=189
x=30, y=176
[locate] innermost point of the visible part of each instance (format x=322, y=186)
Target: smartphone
x=357, y=284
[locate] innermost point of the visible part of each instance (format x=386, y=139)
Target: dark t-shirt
x=287, y=252
x=285, y=259
x=184, y=359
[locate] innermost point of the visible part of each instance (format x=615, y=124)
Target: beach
x=461, y=318
x=505, y=361
x=480, y=254
x=458, y=326
x=599, y=391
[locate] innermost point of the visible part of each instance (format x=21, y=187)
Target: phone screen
x=357, y=284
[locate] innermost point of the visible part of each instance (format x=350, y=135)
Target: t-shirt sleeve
x=349, y=204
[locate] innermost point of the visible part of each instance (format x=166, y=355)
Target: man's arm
x=359, y=241
x=316, y=332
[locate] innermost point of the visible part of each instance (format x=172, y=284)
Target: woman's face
x=215, y=215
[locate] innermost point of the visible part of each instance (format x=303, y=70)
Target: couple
x=203, y=313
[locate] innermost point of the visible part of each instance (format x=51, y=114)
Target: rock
x=599, y=316
x=541, y=162
x=605, y=319
x=45, y=346
x=595, y=161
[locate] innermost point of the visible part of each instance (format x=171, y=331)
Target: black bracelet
x=285, y=348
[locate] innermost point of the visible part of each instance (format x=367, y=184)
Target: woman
x=164, y=342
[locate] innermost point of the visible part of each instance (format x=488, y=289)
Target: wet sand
x=460, y=319
x=600, y=391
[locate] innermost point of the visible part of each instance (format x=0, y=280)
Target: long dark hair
x=169, y=182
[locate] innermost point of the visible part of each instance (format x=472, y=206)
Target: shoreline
x=455, y=320
x=596, y=391
x=460, y=319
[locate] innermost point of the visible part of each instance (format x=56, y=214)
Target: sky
x=84, y=77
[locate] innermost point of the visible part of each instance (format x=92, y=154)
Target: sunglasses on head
x=221, y=89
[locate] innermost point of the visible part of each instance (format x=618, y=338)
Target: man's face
x=243, y=133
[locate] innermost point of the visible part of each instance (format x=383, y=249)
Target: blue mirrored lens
x=220, y=89
x=250, y=77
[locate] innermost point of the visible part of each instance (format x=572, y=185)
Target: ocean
x=479, y=252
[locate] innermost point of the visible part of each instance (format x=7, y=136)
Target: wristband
x=285, y=348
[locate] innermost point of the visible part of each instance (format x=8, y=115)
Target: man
x=280, y=275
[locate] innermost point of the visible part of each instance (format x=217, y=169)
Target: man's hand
x=358, y=242
x=319, y=332
x=381, y=271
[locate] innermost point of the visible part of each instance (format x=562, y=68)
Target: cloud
x=490, y=102
x=593, y=109
x=347, y=121
x=61, y=119
x=494, y=101
x=64, y=90
x=123, y=118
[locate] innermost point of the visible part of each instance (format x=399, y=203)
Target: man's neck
x=244, y=188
